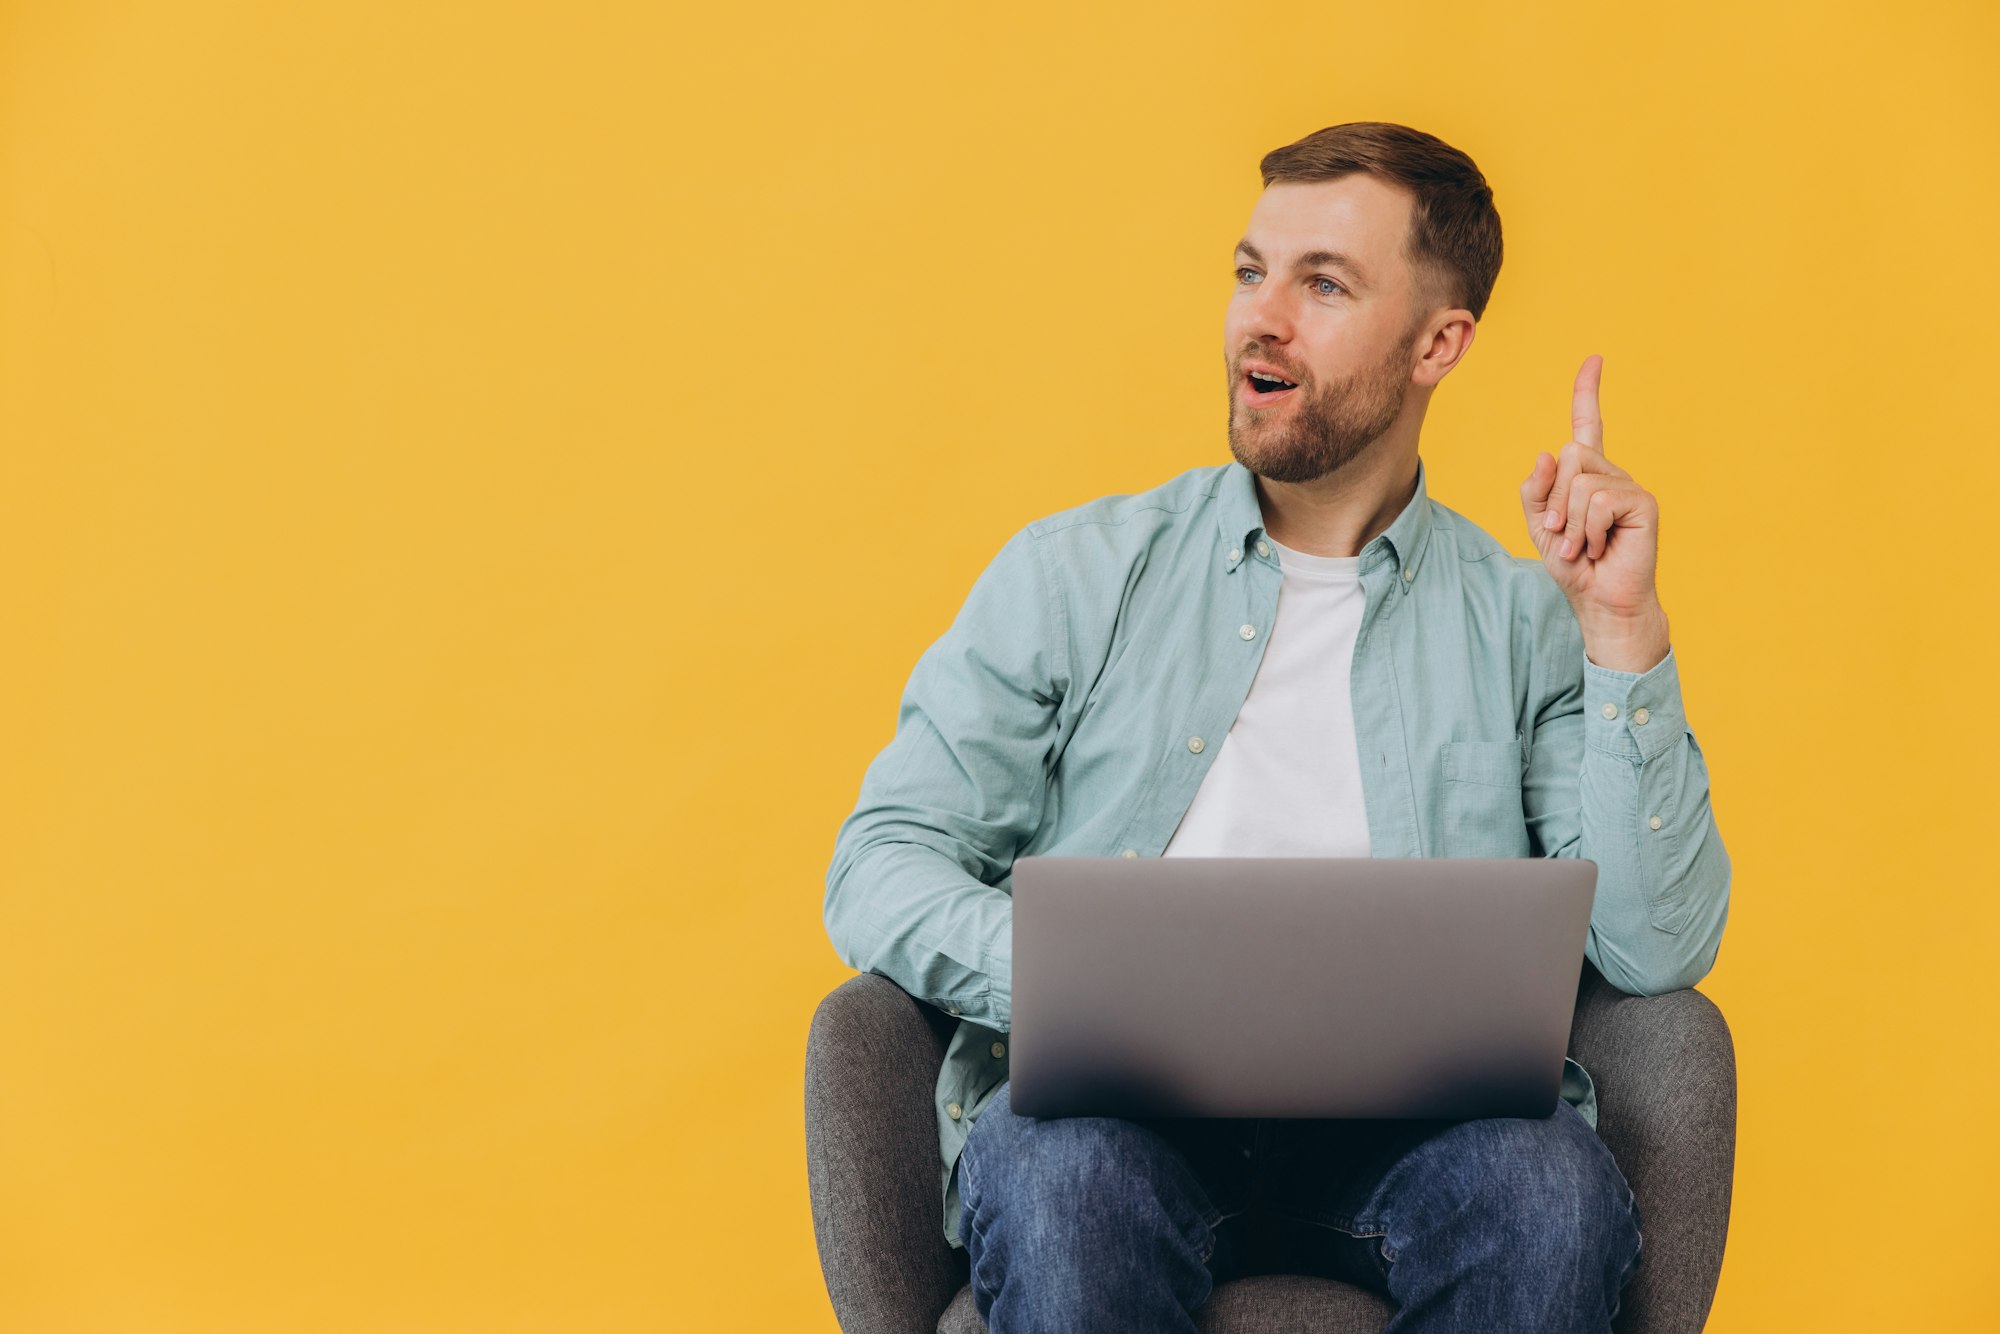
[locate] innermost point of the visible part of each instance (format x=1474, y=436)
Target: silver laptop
x=1295, y=986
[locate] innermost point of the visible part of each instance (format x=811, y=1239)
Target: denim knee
x=1548, y=1185
x=1054, y=1182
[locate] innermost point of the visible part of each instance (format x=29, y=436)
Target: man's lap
x=1343, y=1198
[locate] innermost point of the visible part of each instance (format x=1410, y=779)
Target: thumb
x=1535, y=490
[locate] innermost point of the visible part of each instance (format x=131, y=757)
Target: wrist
x=1627, y=643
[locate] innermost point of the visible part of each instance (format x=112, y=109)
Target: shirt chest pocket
x=1482, y=813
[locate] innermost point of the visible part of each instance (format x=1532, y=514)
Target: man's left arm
x=1614, y=773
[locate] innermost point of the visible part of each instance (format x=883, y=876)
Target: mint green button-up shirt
x=1058, y=713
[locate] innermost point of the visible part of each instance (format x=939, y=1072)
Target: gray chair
x=1664, y=1066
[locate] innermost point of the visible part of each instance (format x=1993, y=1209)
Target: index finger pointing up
x=1585, y=425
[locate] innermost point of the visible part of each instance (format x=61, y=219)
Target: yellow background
x=475, y=479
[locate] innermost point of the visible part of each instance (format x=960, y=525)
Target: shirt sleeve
x=1615, y=776
x=944, y=807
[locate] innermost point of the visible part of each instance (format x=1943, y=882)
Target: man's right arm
x=955, y=794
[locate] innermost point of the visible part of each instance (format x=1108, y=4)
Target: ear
x=1448, y=337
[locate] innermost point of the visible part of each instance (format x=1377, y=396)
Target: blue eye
x=1337, y=288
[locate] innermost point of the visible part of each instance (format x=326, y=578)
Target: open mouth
x=1261, y=389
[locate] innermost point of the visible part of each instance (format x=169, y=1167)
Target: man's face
x=1323, y=298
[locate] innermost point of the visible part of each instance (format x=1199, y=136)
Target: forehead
x=1358, y=215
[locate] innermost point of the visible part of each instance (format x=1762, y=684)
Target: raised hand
x=1598, y=534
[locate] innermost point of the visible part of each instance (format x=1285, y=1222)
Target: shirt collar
x=1242, y=523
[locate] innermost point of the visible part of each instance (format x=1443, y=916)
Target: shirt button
x=953, y=1110
x=999, y=1049
x=1248, y=632
x=951, y=1008
x=1195, y=744
x=1129, y=852
x=1655, y=822
x=1408, y=574
x=1263, y=550
x=1640, y=716
x=1234, y=553
x=1611, y=710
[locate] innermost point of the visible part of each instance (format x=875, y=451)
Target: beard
x=1327, y=428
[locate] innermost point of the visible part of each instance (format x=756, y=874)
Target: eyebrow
x=1313, y=259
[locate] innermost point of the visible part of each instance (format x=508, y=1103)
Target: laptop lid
x=1295, y=986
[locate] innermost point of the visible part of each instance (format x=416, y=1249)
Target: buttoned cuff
x=1633, y=715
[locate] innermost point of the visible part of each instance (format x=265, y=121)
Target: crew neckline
x=1302, y=562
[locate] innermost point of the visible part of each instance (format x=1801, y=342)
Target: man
x=1299, y=653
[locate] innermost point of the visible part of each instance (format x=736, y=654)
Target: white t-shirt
x=1287, y=780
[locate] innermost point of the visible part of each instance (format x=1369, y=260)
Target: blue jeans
x=1105, y=1224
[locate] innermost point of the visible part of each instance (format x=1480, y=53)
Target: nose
x=1265, y=313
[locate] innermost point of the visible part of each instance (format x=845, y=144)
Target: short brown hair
x=1454, y=242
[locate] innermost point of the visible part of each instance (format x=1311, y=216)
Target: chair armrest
x=872, y=1161
x=1665, y=1071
